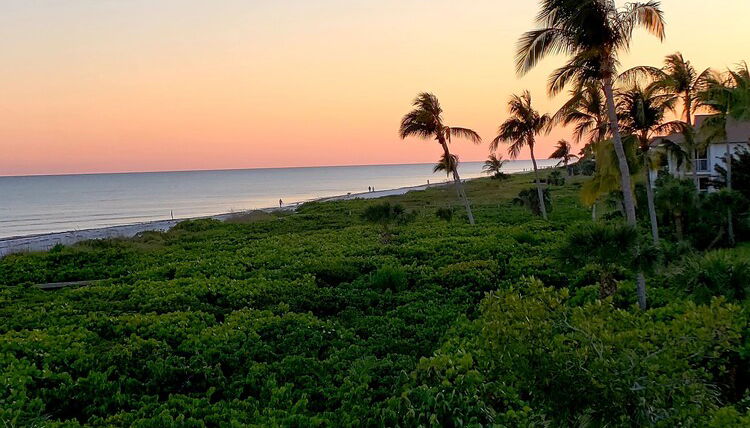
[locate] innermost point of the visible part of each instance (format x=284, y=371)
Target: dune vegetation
x=314, y=319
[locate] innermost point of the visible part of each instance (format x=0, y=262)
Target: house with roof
x=709, y=155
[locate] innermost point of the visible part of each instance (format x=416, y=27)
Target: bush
x=444, y=214
x=717, y=273
x=529, y=198
x=389, y=278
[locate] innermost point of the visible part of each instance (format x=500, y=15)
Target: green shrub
x=389, y=278
x=717, y=273
x=444, y=213
x=529, y=198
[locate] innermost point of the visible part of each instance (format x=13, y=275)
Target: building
x=710, y=155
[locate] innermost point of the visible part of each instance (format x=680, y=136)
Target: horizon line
x=230, y=169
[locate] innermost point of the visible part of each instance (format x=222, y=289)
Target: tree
x=728, y=97
x=426, y=121
x=494, y=165
x=678, y=79
x=592, y=33
x=641, y=113
x=520, y=130
x=562, y=152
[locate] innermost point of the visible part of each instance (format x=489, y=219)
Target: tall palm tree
x=679, y=79
x=426, y=121
x=587, y=110
x=563, y=152
x=642, y=113
x=728, y=97
x=520, y=130
x=493, y=165
x=592, y=33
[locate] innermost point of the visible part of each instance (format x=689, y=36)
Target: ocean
x=31, y=205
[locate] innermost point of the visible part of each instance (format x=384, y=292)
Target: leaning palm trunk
x=459, y=185
x=651, y=205
x=627, y=191
x=539, y=191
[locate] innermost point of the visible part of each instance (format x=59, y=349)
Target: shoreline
x=45, y=241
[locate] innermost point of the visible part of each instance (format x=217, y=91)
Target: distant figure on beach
x=369, y=189
x=280, y=203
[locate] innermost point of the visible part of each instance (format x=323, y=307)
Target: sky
x=155, y=85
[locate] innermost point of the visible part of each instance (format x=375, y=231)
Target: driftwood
x=58, y=285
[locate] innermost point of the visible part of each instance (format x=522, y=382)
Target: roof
x=737, y=132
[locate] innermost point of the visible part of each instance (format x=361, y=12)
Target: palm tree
x=562, y=152
x=446, y=164
x=679, y=79
x=493, y=165
x=641, y=113
x=728, y=97
x=426, y=121
x=587, y=109
x=521, y=130
x=592, y=33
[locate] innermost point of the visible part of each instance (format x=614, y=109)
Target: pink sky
x=151, y=85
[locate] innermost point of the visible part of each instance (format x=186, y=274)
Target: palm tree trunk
x=627, y=191
x=641, y=291
x=651, y=206
x=730, y=223
x=593, y=212
x=459, y=185
x=689, y=120
x=539, y=191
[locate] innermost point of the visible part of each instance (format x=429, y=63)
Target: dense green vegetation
x=313, y=319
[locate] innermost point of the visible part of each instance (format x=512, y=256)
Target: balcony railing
x=701, y=165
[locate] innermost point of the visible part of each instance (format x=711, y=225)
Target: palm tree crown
x=493, y=165
x=642, y=112
x=426, y=121
x=677, y=78
x=446, y=164
x=522, y=126
x=587, y=110
x=563, y=152
x=592, y=32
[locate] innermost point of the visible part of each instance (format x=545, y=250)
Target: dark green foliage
x=555, y=178
x=500, y=176
x=717, y=273
x=609, y=250
x=529, y=199
x=310, y=320
x=532, y=358
x=585, y=166
x=389, y=278
x=444, y=213
x=740, y=172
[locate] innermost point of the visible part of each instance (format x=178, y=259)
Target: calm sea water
x=43, y=204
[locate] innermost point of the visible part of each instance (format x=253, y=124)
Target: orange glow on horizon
x=180, y=85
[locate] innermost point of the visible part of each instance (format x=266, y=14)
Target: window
x=701, y=160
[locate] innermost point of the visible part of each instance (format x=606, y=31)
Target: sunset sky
x=145, y=85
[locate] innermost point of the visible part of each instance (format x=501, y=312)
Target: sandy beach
x=44, y=242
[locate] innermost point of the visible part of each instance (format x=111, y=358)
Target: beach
x=45, y=241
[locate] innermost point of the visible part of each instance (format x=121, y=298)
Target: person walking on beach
x=369, y=189
x=280, y=203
